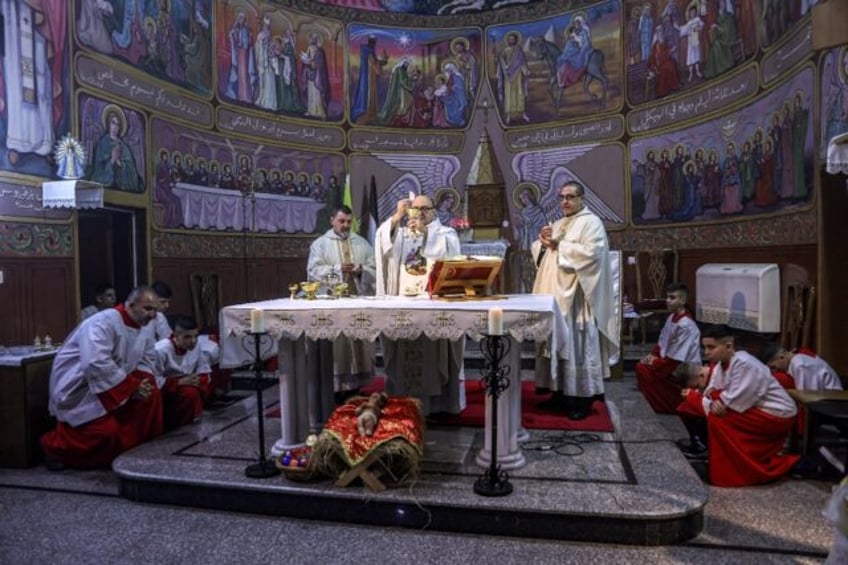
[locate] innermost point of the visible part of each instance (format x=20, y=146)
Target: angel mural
x=751, y=161
x=166, y=39
x=413, y=78
x=113, y=162
x=534, y=65
x=279, y=62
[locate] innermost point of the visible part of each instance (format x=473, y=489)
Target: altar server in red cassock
x=749, y=416
x=183, y=372
x=102, y=389
x=679, y=342
x=801, y=369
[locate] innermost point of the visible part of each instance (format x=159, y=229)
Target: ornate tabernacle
x=464, y=278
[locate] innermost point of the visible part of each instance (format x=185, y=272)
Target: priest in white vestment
x=430, y=370
x=574, y=266
x=345, y=257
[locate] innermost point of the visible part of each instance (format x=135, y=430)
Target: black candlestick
x=495, y=348
x=265, y=467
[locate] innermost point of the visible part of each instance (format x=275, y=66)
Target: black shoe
x=53, y=464
x=542, y=390
x=695, y=450
x=577, y=414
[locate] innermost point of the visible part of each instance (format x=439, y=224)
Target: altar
x=306, y=395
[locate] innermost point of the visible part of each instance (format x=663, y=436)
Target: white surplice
x=197, y=361
x=429, y=370
x=96, y=357
x=747, y=383
x=578, y=274
x=353, y=360
x=680, y=340
x=813, y=373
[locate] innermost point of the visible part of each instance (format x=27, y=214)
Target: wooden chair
x=205, y=300
x=798, y=313
x=655, y=269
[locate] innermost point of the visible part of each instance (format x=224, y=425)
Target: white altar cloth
x=525, y=317
x=207, y=207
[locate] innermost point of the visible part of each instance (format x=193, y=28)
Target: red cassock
x=97, y=443
x=660, y=388
x=182, y=405
x=745, y=448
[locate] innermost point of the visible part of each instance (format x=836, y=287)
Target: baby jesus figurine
x=368, y=413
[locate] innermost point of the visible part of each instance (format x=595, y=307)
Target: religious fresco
x=114, y=141
x=755, y=160
x=559, y=67
x=427, y=7
x=168, y=39
x=212, y=182
x=34, y=97
x=834, y=94
x=280, y=61
x=413, y=78
x=778, y=17
x=674, y=45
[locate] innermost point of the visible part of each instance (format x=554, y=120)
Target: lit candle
x=411, y=195
x=495, y=321
x=257, y=321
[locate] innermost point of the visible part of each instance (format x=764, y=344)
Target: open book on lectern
x=464, y=277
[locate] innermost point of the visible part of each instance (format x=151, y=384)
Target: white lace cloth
x=525, y=317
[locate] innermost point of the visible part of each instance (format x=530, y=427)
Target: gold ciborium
x=310, y=288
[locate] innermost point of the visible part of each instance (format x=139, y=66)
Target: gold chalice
x=293, y=289
x=413, y=214
x=310, y=288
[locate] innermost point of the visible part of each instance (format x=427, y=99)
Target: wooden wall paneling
x=12, y=303
x=51, y=300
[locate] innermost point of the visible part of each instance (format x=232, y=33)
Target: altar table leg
x=509, y=419
x=294, y=398
x=319, y=364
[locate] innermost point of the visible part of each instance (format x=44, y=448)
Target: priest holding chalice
x=407, y=244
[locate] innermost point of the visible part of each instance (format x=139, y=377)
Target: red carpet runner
x=532, y=417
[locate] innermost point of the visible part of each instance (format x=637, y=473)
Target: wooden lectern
x=464, y=278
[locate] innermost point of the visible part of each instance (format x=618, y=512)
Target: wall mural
x=675, y=45
x=834, y=94
x=413, y=78
x=777, y=17
x=34, y=92
x=280, y=61
x=211, y=182
x=113, y=138
x=426, y=7
x=559, y=67
x=170, y=40
x=755, y=160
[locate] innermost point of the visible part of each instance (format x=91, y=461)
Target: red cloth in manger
x=400, y=419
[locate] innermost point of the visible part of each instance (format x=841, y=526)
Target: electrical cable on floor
x=571, y=444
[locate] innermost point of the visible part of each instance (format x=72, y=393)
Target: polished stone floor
x=632, y=486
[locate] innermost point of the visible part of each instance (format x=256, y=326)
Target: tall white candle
x=495, y=321
x=257, y=321
x=411, y=195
